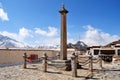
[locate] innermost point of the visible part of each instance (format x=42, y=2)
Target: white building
x=108, y=52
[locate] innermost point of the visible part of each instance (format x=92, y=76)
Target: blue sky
x=37, y=22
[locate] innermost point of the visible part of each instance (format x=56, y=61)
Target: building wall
x=15, y=56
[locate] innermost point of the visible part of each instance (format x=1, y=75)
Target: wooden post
x=24, y=61
x=91, y=65
x=89, y=62
x=58, y=55
x=100, y=63
x=44, y=62
x=74, y=65
x=76, y=54
x=100, y=58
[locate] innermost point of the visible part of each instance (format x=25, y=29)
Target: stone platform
x=61, y=64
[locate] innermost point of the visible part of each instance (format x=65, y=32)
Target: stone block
x=61, y=64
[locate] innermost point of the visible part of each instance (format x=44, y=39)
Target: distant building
x=108, y=52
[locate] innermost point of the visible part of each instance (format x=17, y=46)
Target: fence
x=44, y=59
x=74, y=62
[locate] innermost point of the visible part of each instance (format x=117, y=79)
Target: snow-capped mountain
x=7, y=42
x=81, y=46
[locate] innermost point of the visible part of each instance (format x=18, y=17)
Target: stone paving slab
x=34, y=72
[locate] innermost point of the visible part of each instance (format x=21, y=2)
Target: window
x=108, y=52
x=96, y=52
x=118, y=52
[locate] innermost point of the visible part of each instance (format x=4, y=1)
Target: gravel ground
x=34, y=72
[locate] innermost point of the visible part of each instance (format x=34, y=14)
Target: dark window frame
x=96, y=52
x=118, y=52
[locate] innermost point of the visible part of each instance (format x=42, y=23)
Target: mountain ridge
x=7, y=42
x=79, y=45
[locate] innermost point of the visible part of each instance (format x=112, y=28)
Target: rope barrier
x=85, y=61
x=96, y=61
x=40, y=59
x=52, y=58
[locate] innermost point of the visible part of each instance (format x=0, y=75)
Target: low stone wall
x=13, y=56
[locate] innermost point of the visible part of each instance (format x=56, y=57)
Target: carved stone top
x=63, y=10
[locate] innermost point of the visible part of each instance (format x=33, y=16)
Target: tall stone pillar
x=63, y=63
x=63, y=36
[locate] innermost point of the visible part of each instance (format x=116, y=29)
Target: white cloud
x=29, y=37
x=70, y=40
x=20, y=36
x=48, y=42
x=23, y=32
x=3, y=15
x=52, y=31
x=94, y=37
x=11, y=35
x=40, y=31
